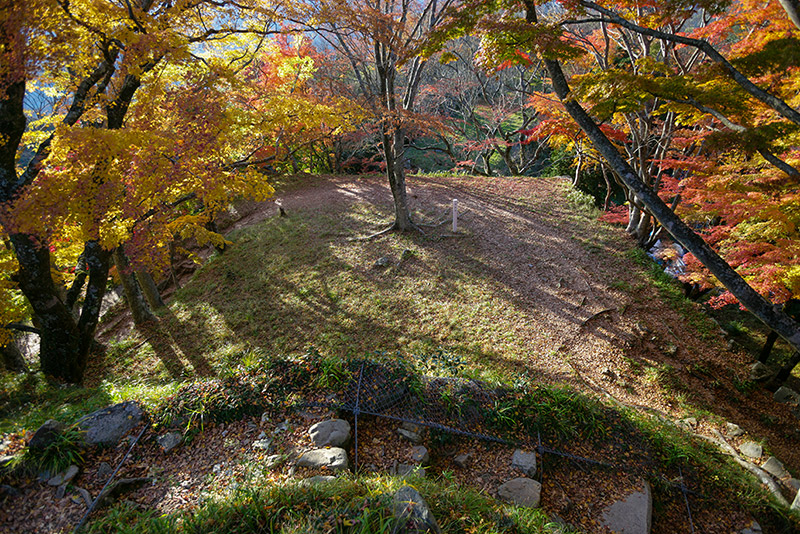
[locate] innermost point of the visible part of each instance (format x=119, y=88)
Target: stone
x=169, y=441
x=333, y=433
x=796, y=502
x=786, y=395
x=410, y=436
x=65, y=477
x=273, y=460
x=334, y=459
x=410, y=470
x=733, y=430
x=462, y=459
x=633, y=515
x=751, y=449
x=412, y=512
x=262, y=444
x=411, y=427
x=775, y=468
x=46, y=434
x=104, y=471
x=86, y=497
x=760, y=372
x=108, y=426
x=319, y=479
x=754, y=528
x=794, y=484
x=419, y=455
x=524, y=461
x=382, y=262
x=61, y=492
x=521, y=491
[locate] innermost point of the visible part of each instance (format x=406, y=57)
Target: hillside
x=531, y=292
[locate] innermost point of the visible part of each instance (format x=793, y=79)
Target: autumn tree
x=517, y=25
x=378, y=38
x=94, y=182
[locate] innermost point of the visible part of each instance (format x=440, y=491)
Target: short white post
x=455, y=215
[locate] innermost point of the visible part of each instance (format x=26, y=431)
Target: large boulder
x=108, y=426
x=521, y=491
x=334, y=459
x=412, y=511
x=632, y=515
x=331, y=433
x=46, y=435
x=524, y=461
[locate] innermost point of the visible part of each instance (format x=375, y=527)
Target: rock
x=169, y=441
x=754, y=528
x=333, y=433
x=733, y=431
x=751, y=449
x=109, y=425
x=786, y=395
x=632, y=515
x=411, y=427
x=61, y=491
x=410, y=470
x=262, y=444
x=86, y=497
x=319, y=479
x=273, y=460
x=46, y=435
x=794, y=484
x=120, y=487
x=796, y=502
x=104, y=471
x=334, y=459
x=411, y=436
x=462, y=459
x=65, y=477
x=760, y=372
x=382, y=262
x=413, y=513
x=521, y=491
x=524, y=461
x=774, y=467
x=419, y=455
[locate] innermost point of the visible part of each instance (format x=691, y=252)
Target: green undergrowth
x=347, y=505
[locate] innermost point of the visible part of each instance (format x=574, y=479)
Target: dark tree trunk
x=12, y=358
x=765, y=352
x=60, y=344
x=133, y=293
x=150, y=290
x=397, y=182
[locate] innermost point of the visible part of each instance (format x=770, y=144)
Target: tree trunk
x=770, y=315
x=133, y=294
x=397, y=180
x=150, y=290
x=60, y=339
x=12, y=358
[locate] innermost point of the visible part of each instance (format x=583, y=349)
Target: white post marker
x=455, y=215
